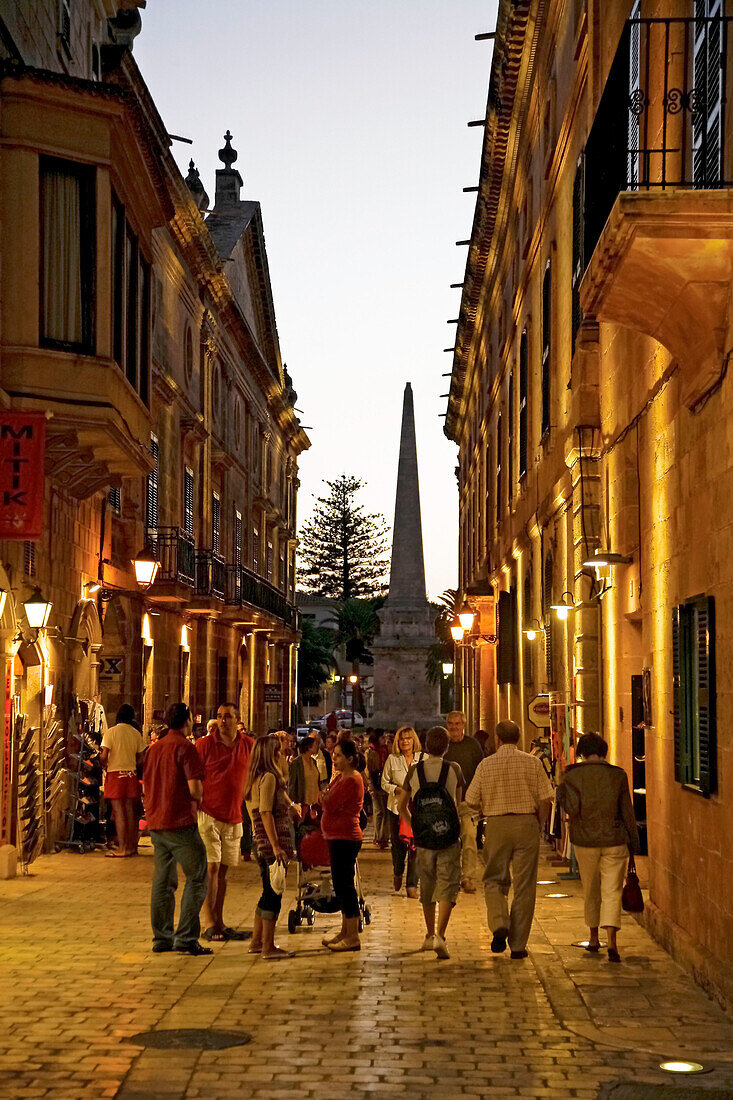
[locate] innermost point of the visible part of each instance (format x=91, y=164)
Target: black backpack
x=435, y=823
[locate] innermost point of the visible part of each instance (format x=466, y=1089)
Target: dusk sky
x=349, y=118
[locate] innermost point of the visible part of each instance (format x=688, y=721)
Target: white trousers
x=602, y=873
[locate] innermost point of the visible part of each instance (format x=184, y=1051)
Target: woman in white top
x=122, y=751
x=406, y=750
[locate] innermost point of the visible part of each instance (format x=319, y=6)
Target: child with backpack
x=428, y=802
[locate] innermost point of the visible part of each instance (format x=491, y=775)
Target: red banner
x=22, y=453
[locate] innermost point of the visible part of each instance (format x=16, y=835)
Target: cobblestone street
x=79, y=980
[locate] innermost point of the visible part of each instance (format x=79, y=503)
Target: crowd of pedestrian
x=216, y=798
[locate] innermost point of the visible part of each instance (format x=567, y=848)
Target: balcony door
x=710, y=32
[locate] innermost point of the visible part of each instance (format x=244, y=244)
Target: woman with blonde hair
x=406, y=750
x=269, y=808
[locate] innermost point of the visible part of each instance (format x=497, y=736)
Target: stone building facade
x=590, y=404
x=139, y=318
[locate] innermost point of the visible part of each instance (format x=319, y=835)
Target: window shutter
x=188, y=500
x=578, y=265
x=237, y=538
x=549, y=663
x=506, y=650
x=115, y=500
x=634, y=143
x=677, y=692
x=510, y=440
x=151, y=494
x=499, y=448
x=215, y=523
x=546, y=346
x=708, y=70
x=523, y=409
x=706, y=708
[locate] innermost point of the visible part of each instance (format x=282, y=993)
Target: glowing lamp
x=457, y=632
x=563, y=608
x=37, y=610
x=146, y=567
x=466, y=616
x=447, y=668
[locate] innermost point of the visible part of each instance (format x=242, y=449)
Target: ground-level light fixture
x=146, y=566
x=531, y=632
x=681, y=1066
x=466, y=617
x=557, y=895
x=447, y=668
x=563, y=608
x=603, y=558
x=37, y=610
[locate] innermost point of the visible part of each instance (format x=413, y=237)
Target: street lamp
x=564, y=607
x=146, y=567
x=532, y=630
x=447, y=668
x=353, y=680
x=37, y=610
x=466, y=617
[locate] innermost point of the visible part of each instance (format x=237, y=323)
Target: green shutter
x=706, y=709
x=677, y=692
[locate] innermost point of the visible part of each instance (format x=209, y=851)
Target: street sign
x=112, y=668
x=538, y=711
x=273, y=693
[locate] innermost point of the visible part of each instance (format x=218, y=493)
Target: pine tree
x=342, y=547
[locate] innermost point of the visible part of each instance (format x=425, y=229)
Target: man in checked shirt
x=512, y=791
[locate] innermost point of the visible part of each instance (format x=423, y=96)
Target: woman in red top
x=342, y=804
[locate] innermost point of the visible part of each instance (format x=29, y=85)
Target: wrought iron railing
x=661, y=121
x=234, y=585
x=176, y=552
x=210, y=574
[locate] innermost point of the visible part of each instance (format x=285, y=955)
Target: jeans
x=343, y=869
x=379, y=804
x=173, y=846
x=268, y=907
x=245, y=844
x=401, y=854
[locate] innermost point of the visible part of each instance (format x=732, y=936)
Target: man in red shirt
x=225, y=753
x=172, y=785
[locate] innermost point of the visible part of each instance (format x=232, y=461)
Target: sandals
x=235, y=934
x=214, y=937
x=613, y=955
x=594, y=948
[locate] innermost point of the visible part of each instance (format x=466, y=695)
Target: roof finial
x=227, y=155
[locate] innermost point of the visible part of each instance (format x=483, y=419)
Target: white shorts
x=221, y=840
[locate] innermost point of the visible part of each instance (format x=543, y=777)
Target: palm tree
x=315, y=661
x=442, y=650
x=357, y=623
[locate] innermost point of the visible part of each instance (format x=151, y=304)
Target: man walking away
x=433, y=789
x=225, y=753
x=513, y=792
x=466, y=752
x=172, y=784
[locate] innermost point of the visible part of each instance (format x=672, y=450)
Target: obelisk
x=402, y=694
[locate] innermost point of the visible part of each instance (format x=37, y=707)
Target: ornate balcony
x=210, y=575
x=176, y=552
x=658, y=194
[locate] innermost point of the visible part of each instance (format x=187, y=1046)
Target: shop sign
x=7, y=738
x=111, y=668
x=22, y=453
x=538, y=711
x=273, y=693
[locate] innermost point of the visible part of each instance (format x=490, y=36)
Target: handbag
x=631, y=897
x=278, y=872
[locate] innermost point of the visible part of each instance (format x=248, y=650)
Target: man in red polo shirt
x=225, y=753
x=172, y=784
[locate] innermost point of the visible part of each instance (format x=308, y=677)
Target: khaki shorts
x=439, y=874
x=221, y=840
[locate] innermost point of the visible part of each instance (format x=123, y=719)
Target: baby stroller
x=313, y=886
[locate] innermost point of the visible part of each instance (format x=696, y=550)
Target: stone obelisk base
x=402, y=695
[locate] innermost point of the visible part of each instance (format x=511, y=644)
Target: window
x=499, y=448
x=528, y=646
x=709, y=82
x=216, y=392
x=523, y=409
x=215, y=522
x=188, y=501
x=237, y=539
x=29, y=559
x=510, y=440
x=546, y=346
x=634, y=141
x=506, y=650
x=115, y=500
x=67, y=250
x=578, y=250
x=548, y=581
x=188, y=355
x=282, y=577
x=151, y=488
x=255, y=550
x=131, y=305
x=269, y=562
x=694, y=702
x=64, y=25
x=237, y=421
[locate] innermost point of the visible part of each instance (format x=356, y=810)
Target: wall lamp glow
x=533, y=630
x=466, y=617
x=565, y=606
x=37, y=610
x=146, y=567
x=602, y=558
x=447, y=668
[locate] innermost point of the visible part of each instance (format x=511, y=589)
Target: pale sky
x=349, y=117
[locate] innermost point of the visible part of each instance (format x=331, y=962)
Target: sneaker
x=439, y=947
x=498, y=943
x=428, y=944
